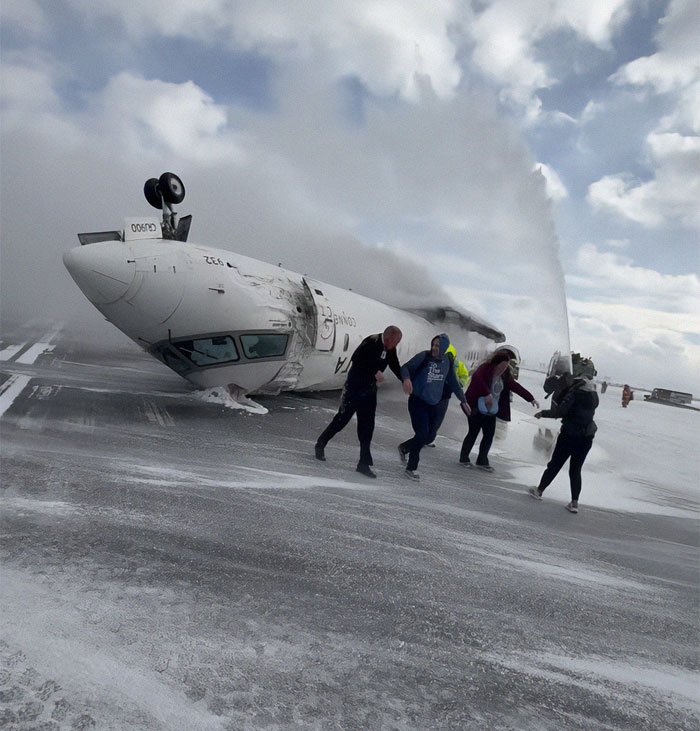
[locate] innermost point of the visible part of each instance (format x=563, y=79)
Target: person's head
x=391, y=337
x=499, y=360
x=439, y=345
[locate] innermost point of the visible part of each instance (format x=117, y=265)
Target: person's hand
x=465, y=408
x=538, y=415
x=407, y=386
x=488, y=401
x=534, y=403
x=379, y=376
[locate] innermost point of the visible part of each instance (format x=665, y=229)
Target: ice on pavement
x=645, y=458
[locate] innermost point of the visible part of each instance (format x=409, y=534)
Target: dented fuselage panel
x=219, y=318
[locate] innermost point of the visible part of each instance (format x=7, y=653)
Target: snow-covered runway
x=173, y=564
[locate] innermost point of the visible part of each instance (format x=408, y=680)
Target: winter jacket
x=369, y=357
x=480, y=385
x=576, y=408
x=431, y=376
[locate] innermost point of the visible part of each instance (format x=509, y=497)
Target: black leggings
x=567, y=446
x=479, y=422
x=365, y=404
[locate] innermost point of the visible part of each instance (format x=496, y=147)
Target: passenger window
x=209, y=351
x=265, y=345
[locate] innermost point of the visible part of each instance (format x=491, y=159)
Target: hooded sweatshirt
x=576, y=408
x=431, y=375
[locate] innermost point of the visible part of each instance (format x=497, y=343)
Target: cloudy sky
x=508, y=155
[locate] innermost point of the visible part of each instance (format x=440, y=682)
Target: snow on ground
x=170, y=563
x=644, y=459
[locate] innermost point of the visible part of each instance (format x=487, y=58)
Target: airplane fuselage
x=219, y=318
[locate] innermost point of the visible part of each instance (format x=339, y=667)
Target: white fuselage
x=219, y=318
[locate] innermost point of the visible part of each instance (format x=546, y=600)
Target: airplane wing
x=449, y=315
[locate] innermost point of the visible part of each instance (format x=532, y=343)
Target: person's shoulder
x=371, y=339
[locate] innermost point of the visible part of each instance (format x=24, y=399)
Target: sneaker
x=534, y=492
x=402, y=455
x=572, y=507
x=485, y=467
x=366, y=470
x=465, y=463
x=412, y=475
x=320, y=454
x=432, y=444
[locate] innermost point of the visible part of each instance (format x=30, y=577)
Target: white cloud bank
x=671, y=193
x=635, y=321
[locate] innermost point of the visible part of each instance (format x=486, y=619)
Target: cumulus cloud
x=387, y=44
x=677, y=62
x=24, y=16
x=636, y=345
x=635, y=321
x=609, y=276
x=174, y=118
x=506, y=34
x=670, y=197
x=671, y=192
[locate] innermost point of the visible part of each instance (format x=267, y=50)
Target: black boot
x=365, y=469
x=318, y=451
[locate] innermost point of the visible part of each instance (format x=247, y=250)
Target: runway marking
x=10, y=351
x=31, y=354
x=10, y=390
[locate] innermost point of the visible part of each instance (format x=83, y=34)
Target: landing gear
x=166, y=189
x=164, y=193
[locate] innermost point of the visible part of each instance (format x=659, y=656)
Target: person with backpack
x=488, y=396
x=425, y=378
x=575, y=406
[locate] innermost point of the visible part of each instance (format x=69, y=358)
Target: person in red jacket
x=488, y=396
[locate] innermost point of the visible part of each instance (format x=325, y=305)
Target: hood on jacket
x=583, y=384
x=444, y=343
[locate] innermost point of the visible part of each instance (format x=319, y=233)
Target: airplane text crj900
x=222, y=319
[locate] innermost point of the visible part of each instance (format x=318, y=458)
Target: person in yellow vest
x=441, y=409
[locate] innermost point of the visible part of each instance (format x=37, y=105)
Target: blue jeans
x=423, y=420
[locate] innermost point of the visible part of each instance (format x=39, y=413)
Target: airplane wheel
x=171, y=188
x=152, y=193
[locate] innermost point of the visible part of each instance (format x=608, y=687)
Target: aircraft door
x=325, y=323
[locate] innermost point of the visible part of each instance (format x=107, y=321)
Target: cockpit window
x=172, y=360
x=265, y=345
x=209, y=351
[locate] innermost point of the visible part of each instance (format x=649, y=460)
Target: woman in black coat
x=575, y=407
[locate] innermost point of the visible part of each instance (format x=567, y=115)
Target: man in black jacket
x=369, y=360
x=576, y=406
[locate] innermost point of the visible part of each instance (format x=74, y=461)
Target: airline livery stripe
x=10, y=390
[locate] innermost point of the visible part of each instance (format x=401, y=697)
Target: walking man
x=369, y=361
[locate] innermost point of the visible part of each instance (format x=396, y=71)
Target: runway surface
x=172, y=564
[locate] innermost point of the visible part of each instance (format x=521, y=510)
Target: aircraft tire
x=152, y=192
x=171, y=188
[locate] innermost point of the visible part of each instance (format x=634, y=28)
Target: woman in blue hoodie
x=424, y=378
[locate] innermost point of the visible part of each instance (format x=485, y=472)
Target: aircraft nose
x=102, y=270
